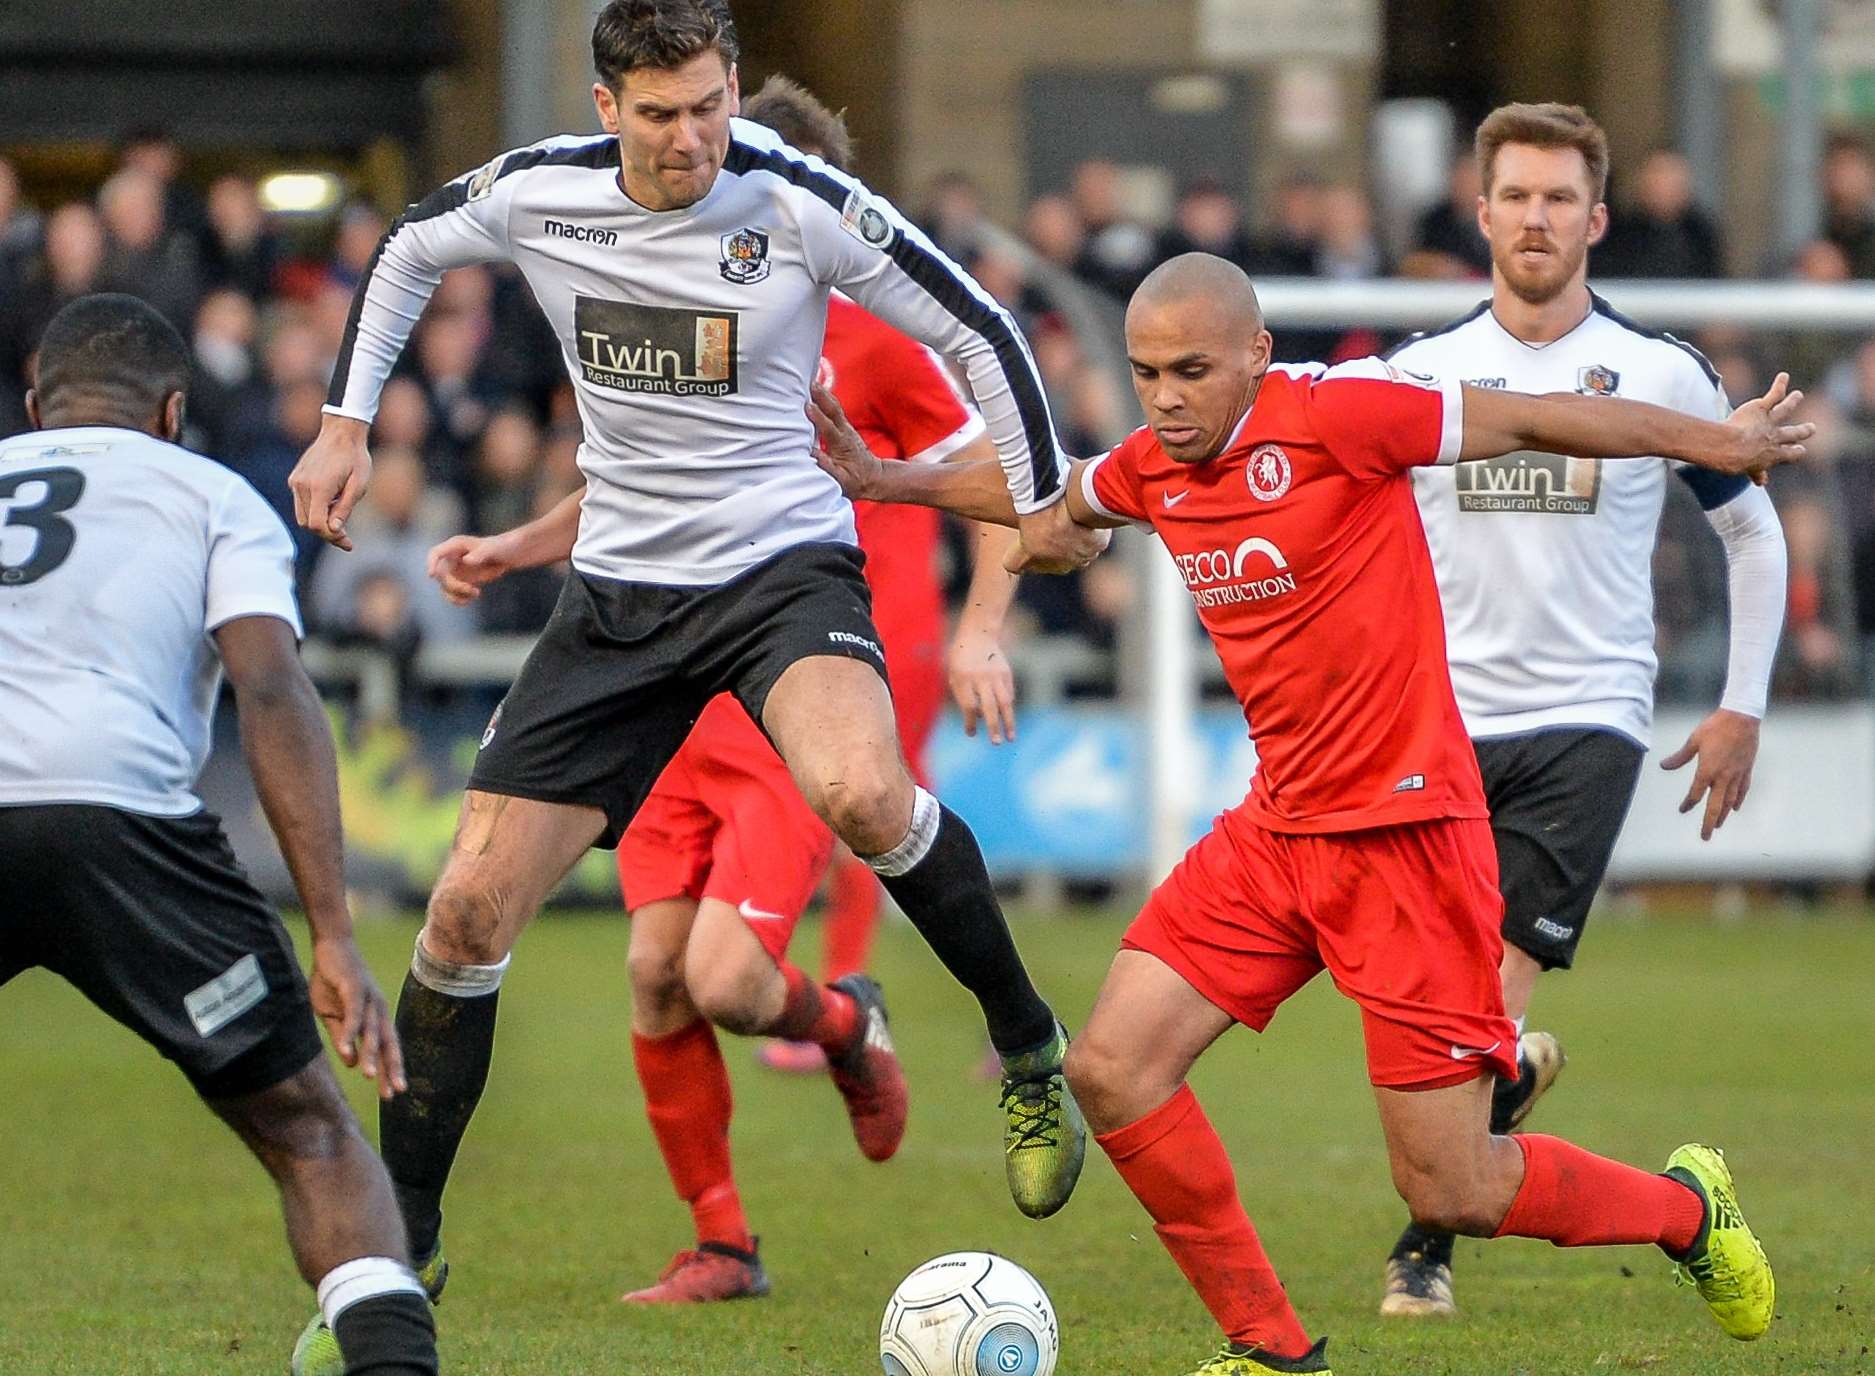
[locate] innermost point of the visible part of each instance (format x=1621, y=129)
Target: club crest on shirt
x=1597, y=381
x=745, y=257
x=1268, y=472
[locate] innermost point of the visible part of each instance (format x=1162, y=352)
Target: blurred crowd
x=478, y=431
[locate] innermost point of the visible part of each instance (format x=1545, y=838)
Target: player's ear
x=32, y=408
x=1598, y=223
x=1260, y=352
x=735, y=89
x=607, y=105
x=1484, y=216
x=175, y=405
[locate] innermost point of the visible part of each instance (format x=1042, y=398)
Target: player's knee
x=730, y=996
x=1100, y=1079
x=656, y=973
x=463, y=924
x=303, y=1121
x=868, y=806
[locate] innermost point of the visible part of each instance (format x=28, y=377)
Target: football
x=969, y=1314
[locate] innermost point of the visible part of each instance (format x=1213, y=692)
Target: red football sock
x=687, y=1100
x=1173, y=1161
x=815, y=1013
x=852, y=917
x=1575, y=1198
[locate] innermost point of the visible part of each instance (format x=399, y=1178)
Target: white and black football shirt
x=692, y=336
x=1545, y=561
x=119, y=554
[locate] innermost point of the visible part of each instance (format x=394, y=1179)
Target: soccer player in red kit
x=897, y=395
x=1283, y=495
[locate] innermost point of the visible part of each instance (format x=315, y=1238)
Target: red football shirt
x=1302, y=548
x=903, y=404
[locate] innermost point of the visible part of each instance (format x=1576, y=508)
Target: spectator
x=20, y=231
x=1662, y=233
x=228, y=384
x=380, y=616
x=1449, y=230
x=265, y=455
x=448, y=354
x=1119, y=250
x=145, y=257
x=1816, y=660
x=1288, y=246
x=953, y=214
x=404, y=422
x=70, y=266
x=1849, y=201
x=507, y=466
x=521, y=603
x=1346, y=250
x=1054, y=230
x=395, y=525
x=242, y=250
x=1208, y=219
x=361, y=229
x=152, y=152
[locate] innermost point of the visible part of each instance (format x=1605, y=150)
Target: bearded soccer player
x=1284, y=495
x=904, y=406
x=685, y=259
x=1554, y=672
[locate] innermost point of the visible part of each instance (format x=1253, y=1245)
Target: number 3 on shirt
x=63, y=488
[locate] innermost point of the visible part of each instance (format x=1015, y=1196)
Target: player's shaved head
x=1198, y=349
x=110, y=359
x=1202, y=279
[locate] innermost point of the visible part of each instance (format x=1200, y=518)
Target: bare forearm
x=546, y=539
x=1588, y=427
x=992, y=587
x=976, y=491
x=288, y=744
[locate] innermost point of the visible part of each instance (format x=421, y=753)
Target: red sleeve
x=1377, y=420
x=1111, y=482
x=925, y=413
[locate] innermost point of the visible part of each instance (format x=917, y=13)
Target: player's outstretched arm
x=288, y=744
x=463, y=565
x=976, y=491
x=1757, y=437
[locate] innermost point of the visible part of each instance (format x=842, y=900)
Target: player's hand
x=1725, y=745
x=1767, y=435
x=330, y=477
x=1051, y=542
x=842, y=453
x=463, y=565
x=982, y=683
x=357, y=1018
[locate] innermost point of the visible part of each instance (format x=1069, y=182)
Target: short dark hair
x=630, y=34
x=112, y=352
x=1548, y=125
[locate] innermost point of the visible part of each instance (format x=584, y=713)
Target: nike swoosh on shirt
x=1465, y=1053
x=751, y=913
x=1171, y=501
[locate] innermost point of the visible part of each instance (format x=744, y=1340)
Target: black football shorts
x=623, y=670
x=1558, y=798
x=154, y=921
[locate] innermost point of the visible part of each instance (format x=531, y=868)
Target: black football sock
x=1435, y=1247
x=448, y=1035
x=938, y=877
x=388, y=1335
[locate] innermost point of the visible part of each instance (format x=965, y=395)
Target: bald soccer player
x=1283, y=493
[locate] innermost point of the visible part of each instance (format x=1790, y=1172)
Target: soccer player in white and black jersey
x=685, y=259
x=132, y=575
x=1544, y=565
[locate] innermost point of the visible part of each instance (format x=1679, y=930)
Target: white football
x=969, y=1314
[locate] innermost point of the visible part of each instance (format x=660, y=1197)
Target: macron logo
x=582, y=234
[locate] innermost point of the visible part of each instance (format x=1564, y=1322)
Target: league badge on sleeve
x=483, y=182
x=745, y=257
x=865, y=221
x=1597, y=381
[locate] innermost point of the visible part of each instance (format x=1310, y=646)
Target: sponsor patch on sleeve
x=863, y=219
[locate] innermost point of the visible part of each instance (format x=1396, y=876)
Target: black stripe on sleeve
x=1601, y=307
x=949, y=290
x=1712, y=490
x=598, y=154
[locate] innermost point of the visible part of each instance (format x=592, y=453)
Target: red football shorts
x=1405, y=919
x=725, y=821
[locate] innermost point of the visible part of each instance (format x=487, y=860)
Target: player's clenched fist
x=463, y=565
x=330, y=477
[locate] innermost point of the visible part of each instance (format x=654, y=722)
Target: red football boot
x=714, y=1271
x=868, y=1074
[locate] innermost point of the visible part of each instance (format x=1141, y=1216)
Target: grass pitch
x=135, y=1235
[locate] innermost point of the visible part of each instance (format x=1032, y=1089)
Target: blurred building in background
x=236, y=164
